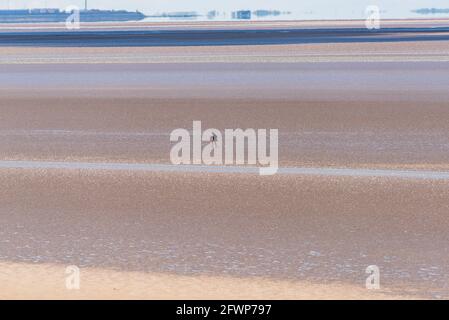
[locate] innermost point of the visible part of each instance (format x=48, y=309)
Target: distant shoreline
x=328, y=22
x=49, y=15
x=223, y=34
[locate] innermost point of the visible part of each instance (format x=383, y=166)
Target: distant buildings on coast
x=432, y=11
x=215, y=14
x=248, y=14
x=46, y=15
x=49, y=15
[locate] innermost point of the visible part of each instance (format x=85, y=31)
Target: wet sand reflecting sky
x=364, y=141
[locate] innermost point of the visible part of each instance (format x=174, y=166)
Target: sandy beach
x=278, y=233
x=133, y=285
x=147, y=234
x=329, y=114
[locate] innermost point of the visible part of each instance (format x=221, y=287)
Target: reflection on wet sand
x=296, y=228
x=363, y=145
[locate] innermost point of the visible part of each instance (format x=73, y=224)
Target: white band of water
x=149, y=167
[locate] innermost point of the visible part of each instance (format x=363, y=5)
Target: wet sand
x=353, y=135
x=217, y=37
x=150, y=234
x=317, y=230
x=324, y=52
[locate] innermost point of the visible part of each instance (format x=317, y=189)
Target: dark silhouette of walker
x=214, y=139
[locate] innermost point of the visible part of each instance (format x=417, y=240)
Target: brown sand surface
x=175, y=235
x=369, y=134
x=372, y=114
x=308, y=235
x=317, y=52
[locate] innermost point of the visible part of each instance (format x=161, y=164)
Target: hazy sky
x=314, y=8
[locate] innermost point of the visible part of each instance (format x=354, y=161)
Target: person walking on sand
x=214, y=139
